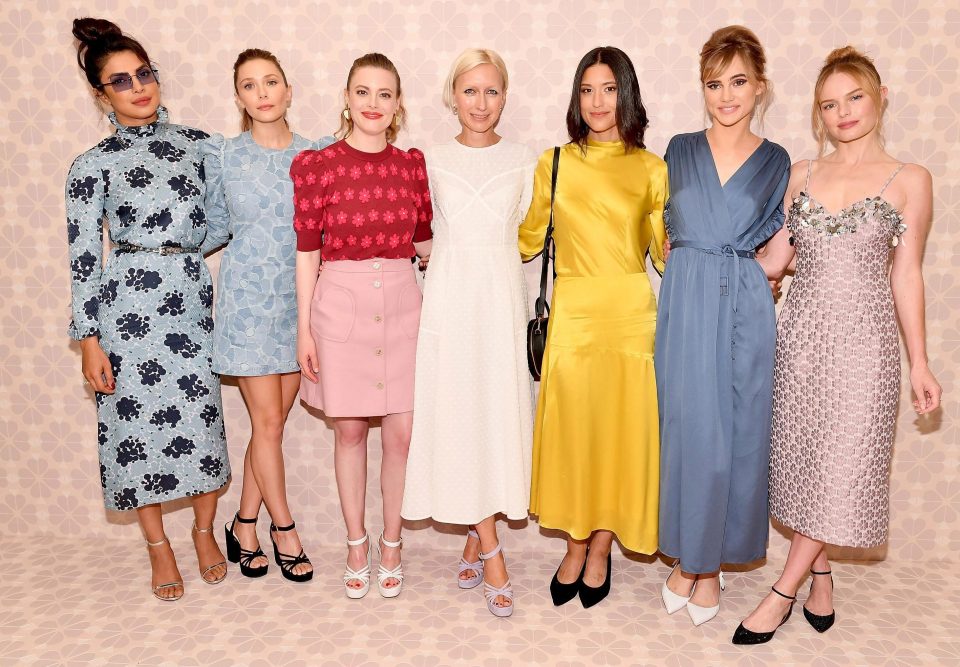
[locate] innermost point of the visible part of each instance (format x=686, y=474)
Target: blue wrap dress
x=716, y=332
x=161, y=433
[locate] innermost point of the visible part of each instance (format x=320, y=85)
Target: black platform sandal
x=288, y=562
x=237, y=554
x=820, y=623
x=745, y=637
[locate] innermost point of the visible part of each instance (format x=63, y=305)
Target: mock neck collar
x=129, y=132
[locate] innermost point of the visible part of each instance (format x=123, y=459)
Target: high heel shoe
x=288, y=562
x=590, y=596
x=162, y=587
x=563, y=593
x=362, y=575
x=491, y=592
x=384, y=573
x=237, y=554
x=745, y=637
x=673, y=602
x=223, y=563
x=700, y=615
x=820, y=623
x=477, y=568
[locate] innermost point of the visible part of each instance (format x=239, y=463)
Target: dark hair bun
x=97, y=40
x=90, y=31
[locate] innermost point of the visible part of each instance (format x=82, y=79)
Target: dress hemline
x=647, y=551
x=217, y=485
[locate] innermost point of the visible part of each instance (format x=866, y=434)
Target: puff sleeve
x=215, y=201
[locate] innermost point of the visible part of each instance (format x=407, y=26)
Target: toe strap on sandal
x=491, y=592
x=464, y=566
x=362, y=575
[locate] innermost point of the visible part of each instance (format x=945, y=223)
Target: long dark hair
x=97, y=40
x=631, y=115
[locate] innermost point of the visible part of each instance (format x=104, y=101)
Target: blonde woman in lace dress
x=473, y=406
x=857, y=220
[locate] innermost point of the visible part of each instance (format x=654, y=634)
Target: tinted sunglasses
x=124, y=81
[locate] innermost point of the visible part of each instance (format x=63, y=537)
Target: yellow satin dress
x=596, y=445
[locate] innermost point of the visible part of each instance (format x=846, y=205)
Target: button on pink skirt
x=365, y=317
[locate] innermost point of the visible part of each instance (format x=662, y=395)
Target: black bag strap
x=549, y=249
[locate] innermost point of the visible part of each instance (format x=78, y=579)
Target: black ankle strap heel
x=745, y=637
x=237, y=554
x=288, y=562
x=820, y=623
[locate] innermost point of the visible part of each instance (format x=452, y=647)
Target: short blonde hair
x=465, y=62
x=860, y=67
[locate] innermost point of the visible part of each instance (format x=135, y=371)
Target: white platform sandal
x=362, y=575
x=384, y=573
x=464, y=566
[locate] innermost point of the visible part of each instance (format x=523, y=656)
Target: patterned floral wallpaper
x=48, y=464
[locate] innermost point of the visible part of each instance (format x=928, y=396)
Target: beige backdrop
x=48, y=464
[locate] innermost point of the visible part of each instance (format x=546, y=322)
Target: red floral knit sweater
x=356, y=205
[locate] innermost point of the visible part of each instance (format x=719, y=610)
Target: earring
x=455, y=111
x=346, y=113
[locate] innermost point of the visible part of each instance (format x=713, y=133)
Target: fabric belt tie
x=161, y=250
x=724, y=251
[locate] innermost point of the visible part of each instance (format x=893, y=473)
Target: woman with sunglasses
x=143, y=317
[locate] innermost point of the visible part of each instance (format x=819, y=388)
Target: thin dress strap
x=806, y=184
x=889, y=180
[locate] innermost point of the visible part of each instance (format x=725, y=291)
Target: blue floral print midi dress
x=161, y=434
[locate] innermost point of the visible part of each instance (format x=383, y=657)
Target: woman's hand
x=666, y=249
x=423, y=263
x=307, y=356
x=926, y=390
x=96, y=366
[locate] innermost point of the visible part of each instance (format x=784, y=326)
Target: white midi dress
x=473, y=399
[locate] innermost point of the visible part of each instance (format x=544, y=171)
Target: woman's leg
x=395, y=435
x=572, y=563
x=767, y=616
x=269, y=399
x=471, y=553
x=681, y=582
x=820, y=600
x=707, y=592
x=600, y=544
x=350, y=464
x=208, y=551
x=250, y=501
x=494, y=569
x=162, y=561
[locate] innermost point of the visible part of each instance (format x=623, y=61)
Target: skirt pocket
x=333, y=313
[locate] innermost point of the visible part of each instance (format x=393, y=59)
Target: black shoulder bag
x=537, y=327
